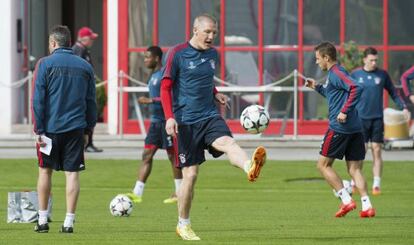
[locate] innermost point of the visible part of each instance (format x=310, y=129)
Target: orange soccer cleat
x=345, y=208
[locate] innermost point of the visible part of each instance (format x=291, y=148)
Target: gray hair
x=61, y=35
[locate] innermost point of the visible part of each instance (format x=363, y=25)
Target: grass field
x=289, y=204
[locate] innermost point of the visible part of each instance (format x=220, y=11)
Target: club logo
x=182, y=157
x=377, y=80
x=213, y=65
x=191, y=65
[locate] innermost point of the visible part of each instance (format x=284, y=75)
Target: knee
x=147, y=156
x=191, y=176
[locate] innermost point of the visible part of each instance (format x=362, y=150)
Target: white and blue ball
x=254, y=119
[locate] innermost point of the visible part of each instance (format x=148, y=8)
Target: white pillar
x=112, y=57
x=9, y=68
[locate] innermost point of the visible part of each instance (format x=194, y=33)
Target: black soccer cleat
x=66, y=229
x=41, y=228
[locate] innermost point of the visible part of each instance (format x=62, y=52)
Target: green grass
x=289, y=204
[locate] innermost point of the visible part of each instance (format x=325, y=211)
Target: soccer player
x=157, y=136
x=64, y=108
x=406, y=77
x=193, y=118
x=86, y=38
x=370, y=108
x=343, y=137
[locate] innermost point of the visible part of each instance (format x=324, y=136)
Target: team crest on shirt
x=377, y=80
x=213, y=64
x=182, y=157
x=361, y=80
x=191, y=65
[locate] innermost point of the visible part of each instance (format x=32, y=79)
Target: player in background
x=370, y=109
x=188, y=99
x=343, y=137
x=157, y=136
x=64, y=108
x=86, y=39
x=406, y=77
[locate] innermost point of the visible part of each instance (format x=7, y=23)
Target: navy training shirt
x=342, y=94
x=154, y=85
x=374, y=82
x=192, y=72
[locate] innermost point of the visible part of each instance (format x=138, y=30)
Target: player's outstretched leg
x=257, y=162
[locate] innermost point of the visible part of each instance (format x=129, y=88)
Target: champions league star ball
x=347, y=186
x=120, y=206
x=254, y=119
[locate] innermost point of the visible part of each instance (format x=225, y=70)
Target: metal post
x=121, y=105
x=295, y=104
x=29, y=102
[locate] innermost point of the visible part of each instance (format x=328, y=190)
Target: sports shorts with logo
x=157, y=136
x=67, y=152
x=337, y=145
x=373, y=130
x=193, y=139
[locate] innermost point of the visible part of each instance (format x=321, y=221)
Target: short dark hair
x=61, y=35
x=370, y=50
x=155, y=51
x=326, y=49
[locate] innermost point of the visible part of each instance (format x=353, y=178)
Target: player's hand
x=341, y=118
x=221, y=98
x=411, y=98
x=171, y=127
x=144, y=100
x=407, y=114
x=39, y=141
x=310, y=83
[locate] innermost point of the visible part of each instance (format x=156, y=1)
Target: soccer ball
x=254, y=119
x=347, y=186
x=121, y=205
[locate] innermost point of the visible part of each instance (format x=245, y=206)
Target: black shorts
x=193, y=139
x=157, y=137
x=337, y=145
x=373, y=130
x=66, y=153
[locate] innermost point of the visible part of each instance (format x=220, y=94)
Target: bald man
x=194, y=121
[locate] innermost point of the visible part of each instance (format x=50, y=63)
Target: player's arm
x=91, y=108
x=311, y=83
x=145, y=100
x=389, y=86
x=347, y=83
x=405, y=82
x=38, y=98
x=169, y=74
x=171, y=125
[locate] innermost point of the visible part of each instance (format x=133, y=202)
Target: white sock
x=366, y=203
x=177, y=183
x=69, y=220
x=247, y=166
x=182, y=222
x=139, y=188
x=377, y=182
x=42, y=217
x=344, y=195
